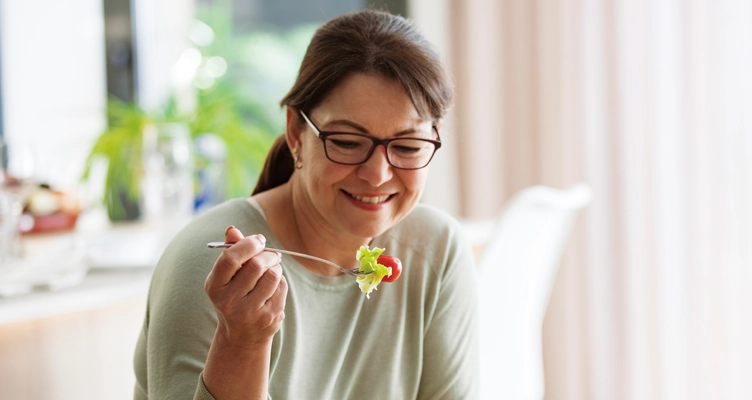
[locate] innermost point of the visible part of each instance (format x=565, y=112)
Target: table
x=76, y=342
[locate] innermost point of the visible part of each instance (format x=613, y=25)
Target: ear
x=438, y=126
x=293, y=131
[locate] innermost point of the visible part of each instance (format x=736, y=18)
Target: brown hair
x=368, y=42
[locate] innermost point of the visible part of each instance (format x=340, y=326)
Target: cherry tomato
x=395, y=263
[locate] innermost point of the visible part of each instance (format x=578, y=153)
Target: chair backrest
x=517, y=268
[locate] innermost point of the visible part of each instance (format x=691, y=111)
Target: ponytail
x=278, y=167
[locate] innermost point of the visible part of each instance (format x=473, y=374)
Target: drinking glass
x=167, y=182
x=11, y=207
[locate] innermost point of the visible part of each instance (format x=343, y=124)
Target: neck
x=305, y=230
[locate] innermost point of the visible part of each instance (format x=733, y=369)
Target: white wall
x=432, y=17
x=54, y=86
x=162, y=29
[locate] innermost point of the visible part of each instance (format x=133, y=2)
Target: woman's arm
x=450, y=361
x=237, y=373
x=248, y=291
x=180, y=340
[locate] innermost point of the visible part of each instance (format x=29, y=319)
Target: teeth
x=373, y=200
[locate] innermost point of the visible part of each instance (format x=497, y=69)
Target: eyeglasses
x=355, y=148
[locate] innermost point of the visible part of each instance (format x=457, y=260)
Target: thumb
x=232, y=234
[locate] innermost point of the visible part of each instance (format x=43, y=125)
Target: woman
x=362, y=125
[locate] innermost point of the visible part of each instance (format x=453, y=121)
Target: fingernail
x=279, y=254
x=261, y=238
x=228, y=229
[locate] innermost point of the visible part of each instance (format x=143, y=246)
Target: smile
x=372, y=200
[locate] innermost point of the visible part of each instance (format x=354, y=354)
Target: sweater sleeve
x=202, y=393
x=180, y=319
x=179, y=325
x=450, y=359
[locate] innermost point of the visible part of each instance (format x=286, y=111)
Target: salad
x=379, y=267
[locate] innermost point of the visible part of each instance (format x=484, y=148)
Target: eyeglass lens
x=401, y=153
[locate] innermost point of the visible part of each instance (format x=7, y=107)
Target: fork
x=353, y=271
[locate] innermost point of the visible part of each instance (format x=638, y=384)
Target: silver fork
x=353, y=271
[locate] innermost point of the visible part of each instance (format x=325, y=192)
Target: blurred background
x=126, y=117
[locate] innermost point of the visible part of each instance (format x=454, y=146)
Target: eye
x=410, y=148
x=402, y=149
x=346, y=144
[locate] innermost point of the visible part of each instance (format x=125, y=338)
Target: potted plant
x=122, y=145
x=232, y=107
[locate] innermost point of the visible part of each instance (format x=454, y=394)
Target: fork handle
x=294, y=253
x=216, y=245
x=219, y=245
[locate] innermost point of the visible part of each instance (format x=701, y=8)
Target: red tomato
x=395, y=263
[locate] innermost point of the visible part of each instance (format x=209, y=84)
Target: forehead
x=369, y=99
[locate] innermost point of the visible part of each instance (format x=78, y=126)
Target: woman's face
x=367, y=199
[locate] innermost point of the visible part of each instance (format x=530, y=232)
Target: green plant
x=121, y=145
x=262, y=62
x=237, y=105
x=246, y=144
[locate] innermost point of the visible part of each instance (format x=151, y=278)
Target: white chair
x=517, y=267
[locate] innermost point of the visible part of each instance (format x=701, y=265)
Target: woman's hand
x=248, y=291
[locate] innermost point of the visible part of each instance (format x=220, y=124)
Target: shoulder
x=187, y=260
x=232, y=212
x=210, y=226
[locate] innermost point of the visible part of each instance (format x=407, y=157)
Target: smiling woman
x=363, y=122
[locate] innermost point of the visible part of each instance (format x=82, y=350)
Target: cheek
x=326, y=174
x=333, y=172
x=413, y=181
x=318, y=168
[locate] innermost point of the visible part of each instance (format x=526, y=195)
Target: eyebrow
x=363, y=130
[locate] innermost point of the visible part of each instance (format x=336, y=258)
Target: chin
x=369, y=229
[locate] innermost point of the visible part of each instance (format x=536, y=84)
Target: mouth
x=370, y=199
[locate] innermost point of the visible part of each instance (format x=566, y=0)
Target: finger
x=276, y=303
x=232, y=259
x=246, y=279
x=265, y=287
x=233, y=234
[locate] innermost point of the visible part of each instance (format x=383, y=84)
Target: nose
x=376, y=170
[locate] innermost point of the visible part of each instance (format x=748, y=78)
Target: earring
x=298, y=164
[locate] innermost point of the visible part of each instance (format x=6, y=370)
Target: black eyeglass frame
x=376, y=142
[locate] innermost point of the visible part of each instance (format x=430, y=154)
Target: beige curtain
x=649, y=102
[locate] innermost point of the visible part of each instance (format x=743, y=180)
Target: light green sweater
x=413, y=339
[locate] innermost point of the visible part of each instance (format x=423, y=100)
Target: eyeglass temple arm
x=315, y=130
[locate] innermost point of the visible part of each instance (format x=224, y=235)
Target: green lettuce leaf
x=368, y=264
